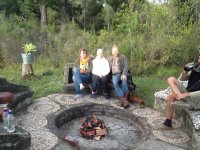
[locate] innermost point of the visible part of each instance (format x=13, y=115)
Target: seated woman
x=100, y=72
x=82, y=72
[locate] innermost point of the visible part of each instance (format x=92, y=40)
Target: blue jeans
x=120, y=91
x=79, y=78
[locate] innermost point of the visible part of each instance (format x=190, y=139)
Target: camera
x=190, y=66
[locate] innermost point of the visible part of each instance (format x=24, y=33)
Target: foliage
x=150, y=35
x=29, y=48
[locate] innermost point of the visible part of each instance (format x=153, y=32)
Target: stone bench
x=22, y=95
x=185, y=115
x=68, y=86
x=15, y=97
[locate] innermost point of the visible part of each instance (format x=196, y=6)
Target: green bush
x=151, y=36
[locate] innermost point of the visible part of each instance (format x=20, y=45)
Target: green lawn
x=147, y=86
x=49, y=80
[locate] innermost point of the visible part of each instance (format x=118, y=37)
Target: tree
x=63, y=16
x=108, y=14
x=9, y=7
x=186, y=11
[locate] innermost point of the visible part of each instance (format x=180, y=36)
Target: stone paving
x=35, y=120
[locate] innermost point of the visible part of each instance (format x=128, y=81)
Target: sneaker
x=163, y=127
x=78, y=96
x=94, y=96
x=81, y=86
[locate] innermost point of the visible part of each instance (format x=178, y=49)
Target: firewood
x=97, y=138
x=101, y=132
x=71, y=140
x=93, y=128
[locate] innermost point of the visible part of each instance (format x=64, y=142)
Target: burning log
x=71, y=141
x=93, y=128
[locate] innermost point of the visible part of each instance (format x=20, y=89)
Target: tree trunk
x=43, y=13
x=27, y=70
x=63, y=15
x=84, y=14
x=43, y=22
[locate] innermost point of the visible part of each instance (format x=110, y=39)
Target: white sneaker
x=81, y=86
x=78, y=96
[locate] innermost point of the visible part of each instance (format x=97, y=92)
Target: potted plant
x=27, y=56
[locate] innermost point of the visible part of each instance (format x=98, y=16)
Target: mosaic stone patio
x=36, y=120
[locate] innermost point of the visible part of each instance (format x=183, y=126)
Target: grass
x=49, y=80
x=147, y=86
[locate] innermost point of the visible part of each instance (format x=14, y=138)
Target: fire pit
x=125, y=130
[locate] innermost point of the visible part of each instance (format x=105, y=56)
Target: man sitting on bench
x=190, y=94
x=119, y=69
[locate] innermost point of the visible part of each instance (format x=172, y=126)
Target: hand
x=100, y=75
x=171, y=97
x=182, y=96
x=123, y=77
x=82, y=71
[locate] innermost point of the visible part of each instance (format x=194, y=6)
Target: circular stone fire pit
x=125, y=130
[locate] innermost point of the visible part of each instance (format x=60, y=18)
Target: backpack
x=131, y=85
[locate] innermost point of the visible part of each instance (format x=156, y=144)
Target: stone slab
x=18, y=140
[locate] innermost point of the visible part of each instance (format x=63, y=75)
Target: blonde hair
x=114, y=45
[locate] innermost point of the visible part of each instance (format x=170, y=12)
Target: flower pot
x=27, y=58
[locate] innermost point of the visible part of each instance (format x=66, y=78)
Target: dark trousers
x=95, y=83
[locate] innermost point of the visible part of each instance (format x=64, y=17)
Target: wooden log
x=27, y=70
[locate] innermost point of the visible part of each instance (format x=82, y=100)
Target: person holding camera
x=190, y=94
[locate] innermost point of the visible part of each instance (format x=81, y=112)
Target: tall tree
x=63, y=16
x=9, y=7
x=108, y=14
x=186, y=11
x=43, y=12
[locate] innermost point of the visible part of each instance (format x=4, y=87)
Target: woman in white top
x=100, y=72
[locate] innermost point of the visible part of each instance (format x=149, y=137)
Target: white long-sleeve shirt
x=100, y=66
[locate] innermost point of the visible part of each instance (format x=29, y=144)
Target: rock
x=18, y=140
